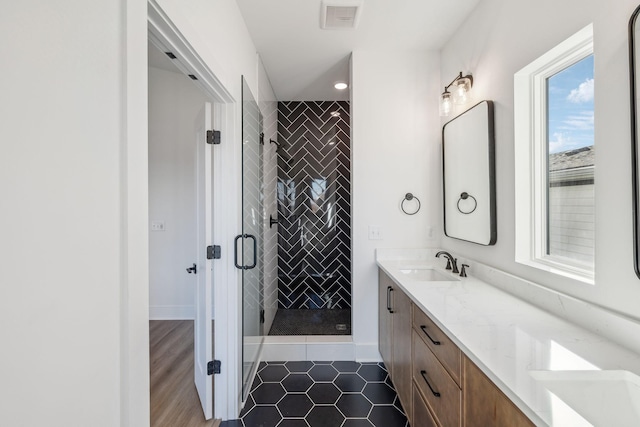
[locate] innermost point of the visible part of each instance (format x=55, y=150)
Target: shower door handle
x=255, y=252
x=235, y=252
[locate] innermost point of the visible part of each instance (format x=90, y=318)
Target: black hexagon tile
x=354, y=405
x=325, y=416
x=297, y=383
x=262, y=416
x=321, y=394
x=295, y=405
x=372, y=372
x=357, y=422
x=382, y=415
x=346, y=366
x=321, y=373
x=299, y=367
x=350, y=383
x=273, y=373
x=268, y=394
x=292, y=422
x=379, y=393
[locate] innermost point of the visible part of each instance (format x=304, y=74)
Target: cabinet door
x=485, y=405
x=401, y=333
x=385, y=286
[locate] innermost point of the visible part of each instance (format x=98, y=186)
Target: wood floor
x=174, y=399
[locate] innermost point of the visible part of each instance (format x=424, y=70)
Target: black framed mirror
x=468, y=167
x=634, y=71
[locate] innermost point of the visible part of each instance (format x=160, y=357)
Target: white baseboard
x=172, y=312
x=368, y=353
x=320, y=348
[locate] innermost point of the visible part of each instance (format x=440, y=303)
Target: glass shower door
x=250, y=242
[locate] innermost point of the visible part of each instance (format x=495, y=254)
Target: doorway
x=180, y=219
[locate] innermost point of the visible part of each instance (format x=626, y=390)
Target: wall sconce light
x=460, y=94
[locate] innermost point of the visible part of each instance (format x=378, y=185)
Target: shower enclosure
x=314, y=219
x=314, y=223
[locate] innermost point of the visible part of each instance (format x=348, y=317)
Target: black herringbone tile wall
x=314, y=205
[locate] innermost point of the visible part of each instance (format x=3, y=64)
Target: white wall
x=62, y=133
x=395, y=150
x=174, y=103
x=498, y=39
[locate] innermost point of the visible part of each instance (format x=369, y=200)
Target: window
x=555, y=159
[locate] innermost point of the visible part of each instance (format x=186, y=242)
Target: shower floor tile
x=311, y=322
x=322, y=403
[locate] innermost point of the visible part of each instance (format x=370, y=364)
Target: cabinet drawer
x=440, y=391
x=421, y=415
x=447, y=352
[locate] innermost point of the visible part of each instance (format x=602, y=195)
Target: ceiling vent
x=340, y=14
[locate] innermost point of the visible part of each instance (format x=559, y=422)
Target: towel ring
x=410, y=196
x=464, y=196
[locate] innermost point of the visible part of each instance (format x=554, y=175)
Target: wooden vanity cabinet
x=437, y=384
x=485, y=404
x=394, y=330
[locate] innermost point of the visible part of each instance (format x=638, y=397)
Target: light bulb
x=461, y=93
x=446, y=104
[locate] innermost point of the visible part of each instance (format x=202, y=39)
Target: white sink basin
x=424, y=274
x=603, y=398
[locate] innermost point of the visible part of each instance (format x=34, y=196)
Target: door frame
x=143, y=21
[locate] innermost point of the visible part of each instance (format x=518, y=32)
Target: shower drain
x=341, y=327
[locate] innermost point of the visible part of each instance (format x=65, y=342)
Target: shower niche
x=314, y=219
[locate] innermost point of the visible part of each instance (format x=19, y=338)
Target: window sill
x=553, y=266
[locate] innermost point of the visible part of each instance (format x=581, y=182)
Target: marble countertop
x=518, y=345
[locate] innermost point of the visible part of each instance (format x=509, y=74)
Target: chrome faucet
x=452, y=263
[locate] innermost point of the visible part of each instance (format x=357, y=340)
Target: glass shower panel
x=252, y=237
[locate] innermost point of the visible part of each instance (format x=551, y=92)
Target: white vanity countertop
x=512, y=341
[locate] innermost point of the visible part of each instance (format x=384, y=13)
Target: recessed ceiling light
x=335, y=114
x=341, y=86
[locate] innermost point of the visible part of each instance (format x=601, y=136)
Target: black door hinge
x=213, y=367
x=213, y=137
x=261, y=316
x=261, y=138
x=214, y=252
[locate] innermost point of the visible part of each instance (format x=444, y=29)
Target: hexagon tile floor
x=321, y=394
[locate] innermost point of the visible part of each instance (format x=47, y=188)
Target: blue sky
x=570, y=102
